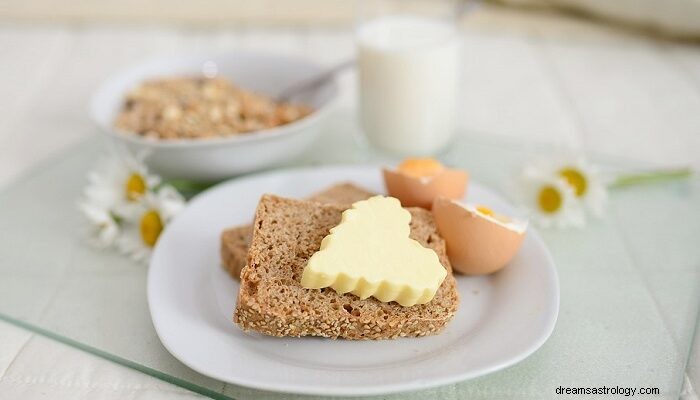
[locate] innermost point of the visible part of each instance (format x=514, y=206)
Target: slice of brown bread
x=342, y=194
x=235, y=240
x=272, y=301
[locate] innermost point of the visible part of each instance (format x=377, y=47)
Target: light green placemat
x=629, y=283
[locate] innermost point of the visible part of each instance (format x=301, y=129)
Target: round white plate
x=502, y=318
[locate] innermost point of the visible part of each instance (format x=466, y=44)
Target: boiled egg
x=416, y=182
x=479, y=240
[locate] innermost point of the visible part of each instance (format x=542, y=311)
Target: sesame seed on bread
x=271, y=300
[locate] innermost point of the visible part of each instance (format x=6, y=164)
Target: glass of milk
x=408, y=60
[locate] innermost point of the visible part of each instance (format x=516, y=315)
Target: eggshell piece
x=413, y=191
x=475, y=245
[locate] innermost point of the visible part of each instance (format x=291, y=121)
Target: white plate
x=501, y=319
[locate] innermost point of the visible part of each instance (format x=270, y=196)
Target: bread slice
x=235, y=241
x=272, y=301
x=342, y=194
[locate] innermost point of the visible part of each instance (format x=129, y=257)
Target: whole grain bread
x=342, y=194
x=272, y=301
x=235, y=240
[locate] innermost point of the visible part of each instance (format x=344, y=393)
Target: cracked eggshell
x=476, y=244
x=415, y=191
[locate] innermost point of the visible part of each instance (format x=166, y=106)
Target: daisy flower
x=558, y=191
x=550, y=200
x=103, y=227
x=120, y=182
x=586, y=180
x=148, y=220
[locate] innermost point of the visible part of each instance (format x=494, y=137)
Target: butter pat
x=370, y=254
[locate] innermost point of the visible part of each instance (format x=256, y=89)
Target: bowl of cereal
x=208, y=118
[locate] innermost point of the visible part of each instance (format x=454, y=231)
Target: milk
x=408, y=78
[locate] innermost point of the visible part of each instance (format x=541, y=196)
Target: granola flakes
x=199, y=108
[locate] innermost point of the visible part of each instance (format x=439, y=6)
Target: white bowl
x=220, y=158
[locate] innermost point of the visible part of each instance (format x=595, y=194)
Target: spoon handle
x=314, y=82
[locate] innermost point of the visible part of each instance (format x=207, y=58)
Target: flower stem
x=188, y=188
x=650, y=177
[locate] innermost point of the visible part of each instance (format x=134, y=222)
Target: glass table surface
x=630, y=282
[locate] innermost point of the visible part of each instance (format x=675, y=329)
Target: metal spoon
x=315, y=82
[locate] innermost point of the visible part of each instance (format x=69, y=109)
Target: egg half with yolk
x=416, y=182
x=479, y=240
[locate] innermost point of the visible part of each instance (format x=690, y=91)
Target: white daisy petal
x=119, y=181
x=131, y=245
x=123, y=207
x=550, y=200
x=581, y=184
x=589, y=184
x=169, y=202
x=102, y=227
x=107, y=235
x=151, y=216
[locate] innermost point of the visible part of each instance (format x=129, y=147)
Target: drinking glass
x=409, y=66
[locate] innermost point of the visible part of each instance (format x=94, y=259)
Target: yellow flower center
x=576, y=179
x=135, y=187
x=151, y=227
x=549, y=199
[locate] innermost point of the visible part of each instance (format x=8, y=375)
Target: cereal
x=200, y=108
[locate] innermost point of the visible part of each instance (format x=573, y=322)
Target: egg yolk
x=490, y=213
x=420, y=167
x=484, y=210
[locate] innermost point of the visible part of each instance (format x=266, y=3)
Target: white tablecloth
x=543, y=80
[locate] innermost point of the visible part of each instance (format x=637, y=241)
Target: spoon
x=314, y=82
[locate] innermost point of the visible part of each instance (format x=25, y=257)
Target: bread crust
x=272, y=301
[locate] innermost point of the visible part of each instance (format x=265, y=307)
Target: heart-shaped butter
x=370, y=253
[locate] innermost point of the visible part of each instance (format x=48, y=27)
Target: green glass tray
x=630, y=282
